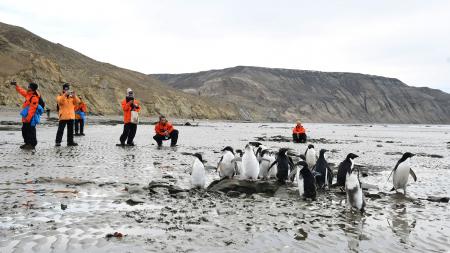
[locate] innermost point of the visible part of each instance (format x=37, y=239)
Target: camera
x=13, y=82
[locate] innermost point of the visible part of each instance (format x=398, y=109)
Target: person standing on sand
x=30, y=109
x=67, y=101
x=299, y=133
x=80, y=117
x=130, y=107
x=165, y=131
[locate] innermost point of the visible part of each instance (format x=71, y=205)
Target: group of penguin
x=312, y=171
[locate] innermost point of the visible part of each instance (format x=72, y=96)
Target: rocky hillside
x=25, y=56
x=284, y=94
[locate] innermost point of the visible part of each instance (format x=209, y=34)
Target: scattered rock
x=116, y=235
x=438, y=199
x=244, y=186
x=134, y=201
x=171, y=188
x=63, y=206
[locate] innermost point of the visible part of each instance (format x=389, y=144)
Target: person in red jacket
x=129, y=104
x=32, y=100
x=299, y=133
x=164, y=131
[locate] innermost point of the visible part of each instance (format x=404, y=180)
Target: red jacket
x=31, y=99
x=299, y=130
x=80, y=107
x=127, y=109
x=161, y=129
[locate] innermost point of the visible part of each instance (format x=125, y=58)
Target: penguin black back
x=309, y=183
x=284, y=165
x=323, y=170
x=344, y=168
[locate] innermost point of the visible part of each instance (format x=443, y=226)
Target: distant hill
x=26, y=56
x=284, y=94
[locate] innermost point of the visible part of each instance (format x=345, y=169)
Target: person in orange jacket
x=67, y=101
x=32, y=100
x=80, y=116
x=299, y=133
x=129, y=104
x=164, y=131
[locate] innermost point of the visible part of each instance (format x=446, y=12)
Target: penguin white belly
x=300, y=185
x=311, y=158
x=354, y=191
x=263, y=167
x=198, y=174
x=401, y=175
x=226, y=166
x=250, y=166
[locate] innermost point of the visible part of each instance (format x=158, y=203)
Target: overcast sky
x=409, y=40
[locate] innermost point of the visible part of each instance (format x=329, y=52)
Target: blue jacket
x=37, y=116
x=82, y=115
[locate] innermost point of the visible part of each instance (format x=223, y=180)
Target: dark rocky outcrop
x=244, y=186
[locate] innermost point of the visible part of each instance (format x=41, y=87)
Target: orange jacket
x=80, y=107
x=127, y=109
x=161, y=129
x=299, y=130
x=32, y=100
x=67, y=106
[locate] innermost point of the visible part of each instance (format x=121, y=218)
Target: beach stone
x=171, y=188
x=244, y=186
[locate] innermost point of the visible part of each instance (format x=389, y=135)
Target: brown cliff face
x=27, y=57
x=284, y=94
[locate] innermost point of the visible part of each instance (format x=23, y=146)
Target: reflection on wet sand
x=69, y=199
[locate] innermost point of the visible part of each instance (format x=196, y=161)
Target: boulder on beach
x=244, y=186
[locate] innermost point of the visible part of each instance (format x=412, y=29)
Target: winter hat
x=33, y=86
x=66, y=86
x=130, y=92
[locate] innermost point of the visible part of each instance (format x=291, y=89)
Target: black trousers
x=299, y=138
x=61, y=126
x=129, y=131
x=173, y=138
x=79, y=124
x=29, y=134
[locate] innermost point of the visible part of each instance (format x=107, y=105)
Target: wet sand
x=100, y=188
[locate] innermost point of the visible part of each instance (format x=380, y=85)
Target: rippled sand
x=32, y=218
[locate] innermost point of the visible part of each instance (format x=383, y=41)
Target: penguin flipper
x=411, y=172
x=292, y=174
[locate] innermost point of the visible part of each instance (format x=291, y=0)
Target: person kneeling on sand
x=299, y=133
x=165, y=131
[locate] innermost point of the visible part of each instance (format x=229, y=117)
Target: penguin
x=344, y=167
x=324, y=175
x=259, y=151
x=226, y=166
x=305, y=181
x=198, y=176
x=267, y=158
x=310, y=156
x=250, y=165
x=401, y=173
x=238, y=162
x=355, y=195
x=284, y=165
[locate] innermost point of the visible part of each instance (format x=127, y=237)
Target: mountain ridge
x=26, y=57
x=317, y=96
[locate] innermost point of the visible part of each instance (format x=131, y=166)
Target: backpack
x=41, y=101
